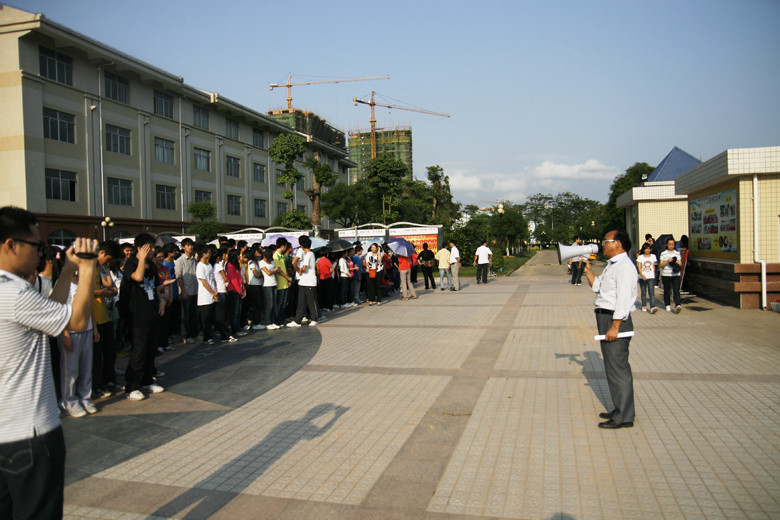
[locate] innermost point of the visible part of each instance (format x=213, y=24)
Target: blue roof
x=674, y=164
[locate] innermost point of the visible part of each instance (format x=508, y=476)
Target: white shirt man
x=482, y=259
x=454, y=266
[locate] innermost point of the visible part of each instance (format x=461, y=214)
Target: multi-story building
x=90, y=132
x=397, y=142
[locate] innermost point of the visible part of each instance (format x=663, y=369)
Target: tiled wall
x=663, y=217
x=768, y=218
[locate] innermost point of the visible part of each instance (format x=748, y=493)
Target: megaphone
x=566, y=252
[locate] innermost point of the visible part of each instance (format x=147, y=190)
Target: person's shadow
x=593, y=370
x=250, y=465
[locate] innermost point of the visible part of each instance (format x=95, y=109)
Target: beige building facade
x=89, y=132
x=734, y=224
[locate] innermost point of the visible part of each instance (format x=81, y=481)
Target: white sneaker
x=89, y=407
x=644, y=309
x=231, y=339
x=293, y=324
x=247, y=327
x=210, y=341
x=152, y=389
x=259, y=326
x=77, y=411
x=669, y=308
x=304, y=320
x=272, y=326
x=678, y=309
x=136, y=395
x=653, y=310
x=312, y=324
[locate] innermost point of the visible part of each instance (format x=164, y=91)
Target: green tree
x=349, y=204
x=204, y=221
x=322, y=176
x=443, y=209
x=385, y=176
x=613, y=217
x=295, y=219
x=284, y=150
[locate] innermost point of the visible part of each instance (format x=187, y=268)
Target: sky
x=544, y=96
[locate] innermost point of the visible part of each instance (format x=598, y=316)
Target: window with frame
x=279, y=173
x=231, y=128
x=300, y=185
x=56, y=66
x=202, y=195
x=60, y=185
x=202, y=160
x=117, y=87
x=281, y=208
x=163, y=104
x=119, y=191
x=258, y=137
x=234, y=205
x=260, y=205
x=200, y=117
x=59, y=126
x=117, y=140
x=301, y=208
x=258, y=171
x=164, y=150
x=232, y=166
x=61, y=237
x=166, y=196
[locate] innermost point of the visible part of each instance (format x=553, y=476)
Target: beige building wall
x=662, y=217
x=768, y=218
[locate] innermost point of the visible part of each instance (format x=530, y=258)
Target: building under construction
x=397, y=142
x=311, y=124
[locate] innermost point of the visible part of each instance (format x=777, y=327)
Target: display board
x=713, y=224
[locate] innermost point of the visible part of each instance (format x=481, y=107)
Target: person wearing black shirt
x=427, y=260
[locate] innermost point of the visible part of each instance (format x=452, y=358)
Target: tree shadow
x=215, y=491
x=593, y=370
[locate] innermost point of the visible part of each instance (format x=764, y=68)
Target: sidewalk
x=482, y=403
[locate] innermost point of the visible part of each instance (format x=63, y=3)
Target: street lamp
x=106, y=223
x=501, y=222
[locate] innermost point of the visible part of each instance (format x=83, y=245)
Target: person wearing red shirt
x=405, y=272
x=325, y=289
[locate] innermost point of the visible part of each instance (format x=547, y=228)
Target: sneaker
x=312, y=324
x=158, y=373
x=248, y=327
x=644, y=309
x=259, y=326
x=77, y=411
x=272, y=326
x=293, y=324
x=152, y=389
x=579, y=284
x=210, y=341
x=668, y=308
x=678, y=309
x=653, y=310
x=304, y=319
x=136, y=395
x=169, y=348
x=89, y=407
x=240, y=334
x=103, y=392
x=114, y=388
x=160, y=350
x=231, y=339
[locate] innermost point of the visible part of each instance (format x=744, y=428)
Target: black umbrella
x=339, y=245
x=660, y=245
x=163, y=240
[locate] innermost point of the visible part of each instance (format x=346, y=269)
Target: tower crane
x=373, y=104
x=290, y=84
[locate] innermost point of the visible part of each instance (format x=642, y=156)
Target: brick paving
x=478, y=404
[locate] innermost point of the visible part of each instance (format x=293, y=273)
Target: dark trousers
x=671, y=284
x=189, y=315
x=619, y=378
x=172, y=318
x=482, y=272
x=414, y=274
x=269, y=295
x=281, y=305
x=374, y=288
x=234, y=311
x=326, y=292
x=141, y=363
x=344, y=290
x=306, y=302
x=54, y=353
x=208, y=319
x=577, y=268
x=32, y=477
x=255, y=293
x=428, y=274
x=103, y=373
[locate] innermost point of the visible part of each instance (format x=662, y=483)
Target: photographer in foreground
x=670, y=264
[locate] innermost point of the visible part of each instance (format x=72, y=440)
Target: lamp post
x=501, y=222
x=106, y=223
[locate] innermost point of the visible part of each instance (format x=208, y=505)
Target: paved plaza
x=477, y=404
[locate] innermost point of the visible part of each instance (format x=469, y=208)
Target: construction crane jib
x=373, y=104
x=290, y=84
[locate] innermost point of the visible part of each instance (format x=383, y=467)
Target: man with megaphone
x=615, y=292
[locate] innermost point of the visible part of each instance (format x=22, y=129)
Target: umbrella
x=401, y=246
x=318, y=243
x=163, y=240
x=270, y=240
x=339, y=245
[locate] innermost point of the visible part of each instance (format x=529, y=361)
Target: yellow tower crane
x=373, y=104
x=290, y=84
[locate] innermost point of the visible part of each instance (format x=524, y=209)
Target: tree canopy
x=284, y=150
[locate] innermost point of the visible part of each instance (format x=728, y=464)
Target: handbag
x=372, y=273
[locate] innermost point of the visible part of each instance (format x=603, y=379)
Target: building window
x=300, y=185
x=117, y=140
x=60, y=185
x=117, y=87
x=59, y=126
x=259, y=172
x=301, y=208
x=279, y=173
x=202, y=195
x=258, y=138
x=164, y=150
x=259, y=208
x=200, y=117
x=202, y=160
x=281, y=208
x=166, y=197
x=163, y=104
x=56, y=66
x=61, y=237
x=234, y=205
x=232, y=166
x=120, y=191
x=231, y=128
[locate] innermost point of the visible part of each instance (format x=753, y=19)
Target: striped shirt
x=26, y=384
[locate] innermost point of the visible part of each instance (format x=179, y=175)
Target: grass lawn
x=511, y=263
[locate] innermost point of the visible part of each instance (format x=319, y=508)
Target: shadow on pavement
x=593, y=370
x=238, y=474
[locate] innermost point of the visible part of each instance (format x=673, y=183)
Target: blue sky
x=545, y=96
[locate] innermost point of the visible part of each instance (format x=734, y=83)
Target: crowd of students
x=148, y=298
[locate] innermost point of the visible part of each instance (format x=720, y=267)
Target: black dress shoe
x=612, y=425
x=607, y=415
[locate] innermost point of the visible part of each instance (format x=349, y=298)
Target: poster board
x=713, y=221
x=419, y=236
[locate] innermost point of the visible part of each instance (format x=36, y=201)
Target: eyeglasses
x=38, y=245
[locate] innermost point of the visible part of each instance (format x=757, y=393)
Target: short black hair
x=201, y=248
x=187, y=241
x=143, y=239
x=622, y=237
x=170, y=248
x=15, y=222
x=280, y=241
x=648, y=236
x=305, y=241
x=111, y=247
x=576, y=237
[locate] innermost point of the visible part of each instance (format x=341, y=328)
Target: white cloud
x=590, y=169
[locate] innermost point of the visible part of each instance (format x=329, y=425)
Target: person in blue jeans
x=645, y=263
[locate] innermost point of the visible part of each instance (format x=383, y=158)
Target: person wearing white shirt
x=577, y=265
x=482, y=259
x=454, y=266
x=670, y=263
x=615, y=292
x=208, y=297
x=306, y=271
x=645, y=263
